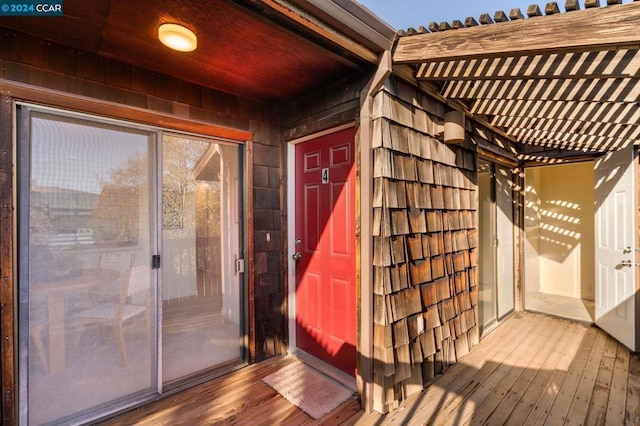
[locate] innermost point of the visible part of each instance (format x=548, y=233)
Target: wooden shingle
x=425, y=171
x=424, y=197
x=437, y=197
x=384, y=361
x=458, y=261
x=382, y=163
x=417, y=221
x=448, y=242
x=420, y=271
x=429, y=294
x=378, y=193
x=443, y=290
x=437, y=267
x=381, y=251
x=402, y=363
x=414, y=143
x=428, y=343
x=400, y=222
x=381, y=280
x=461, y=282
x=399, y=277
x=448, y=310
x=400, y=333
x=414, y=246
x=401, y=194
x=448, y=198
x=472, y=236
x=462, y=345
x=416, y=326
x=434, y=221
x=400, y=138
x=397, y=250
x=416, y=355
x=382, y=336
x=436, y=243
x=390, y=194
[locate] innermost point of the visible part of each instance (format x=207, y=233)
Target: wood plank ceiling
x=560, y=84
x=245, y=47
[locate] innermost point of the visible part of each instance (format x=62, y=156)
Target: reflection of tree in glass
x=118, y=210
x=188, y=200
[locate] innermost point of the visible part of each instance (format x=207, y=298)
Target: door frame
x=291, y=264
x=102, y=113
x=12, y=92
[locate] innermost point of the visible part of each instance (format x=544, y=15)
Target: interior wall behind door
x=559, y=222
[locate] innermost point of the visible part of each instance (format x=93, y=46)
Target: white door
x=615, y=245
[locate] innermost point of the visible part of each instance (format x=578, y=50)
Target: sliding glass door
x=130, y=264
x=88, y=191
x=200, y=246
x=496, y=256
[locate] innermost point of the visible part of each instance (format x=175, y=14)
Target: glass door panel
x=86, y=286
x=487, y=239
x=200, y=243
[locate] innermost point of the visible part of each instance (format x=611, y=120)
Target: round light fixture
x=177, y=37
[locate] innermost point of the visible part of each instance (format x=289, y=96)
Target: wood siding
x=425, y=241
x=425, y=245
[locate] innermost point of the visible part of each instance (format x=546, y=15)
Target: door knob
x=626, y=263
x=296, y=256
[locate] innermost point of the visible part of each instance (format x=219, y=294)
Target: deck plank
x=466, y=368
x=467, y=382
x=618, y=397
x=599, y=399
x=514, y=389
x=632, y=416
x=550, y=391
x=560, y=408
x=582, y=398
x=507, y=372
x=532, y=393
x=533, y=369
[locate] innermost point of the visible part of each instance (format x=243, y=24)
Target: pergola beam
x=585, y=30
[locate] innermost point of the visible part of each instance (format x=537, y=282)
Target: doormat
x=308, y=389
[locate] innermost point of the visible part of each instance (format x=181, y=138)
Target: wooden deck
x=532, y=370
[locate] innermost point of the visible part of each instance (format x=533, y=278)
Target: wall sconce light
x=454, y=127
x=177, y=37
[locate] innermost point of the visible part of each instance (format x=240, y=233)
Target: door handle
x=626, y=263
x=627, y=250
x=296, y=256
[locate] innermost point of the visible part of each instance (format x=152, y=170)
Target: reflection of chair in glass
x=115, y=261
x=118, y=316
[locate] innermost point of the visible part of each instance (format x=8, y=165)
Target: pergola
x=561, y=85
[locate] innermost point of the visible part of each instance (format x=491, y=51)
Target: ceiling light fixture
x=177, y=37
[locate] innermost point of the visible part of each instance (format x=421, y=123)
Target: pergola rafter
x=565, y=81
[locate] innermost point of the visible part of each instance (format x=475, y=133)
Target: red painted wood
x=326, y=273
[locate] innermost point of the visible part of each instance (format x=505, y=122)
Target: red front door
x=325, y=239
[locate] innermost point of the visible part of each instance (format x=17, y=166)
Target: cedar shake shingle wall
x=40, y=63
x=425, y=245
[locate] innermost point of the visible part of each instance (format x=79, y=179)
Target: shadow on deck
x=533, y=369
